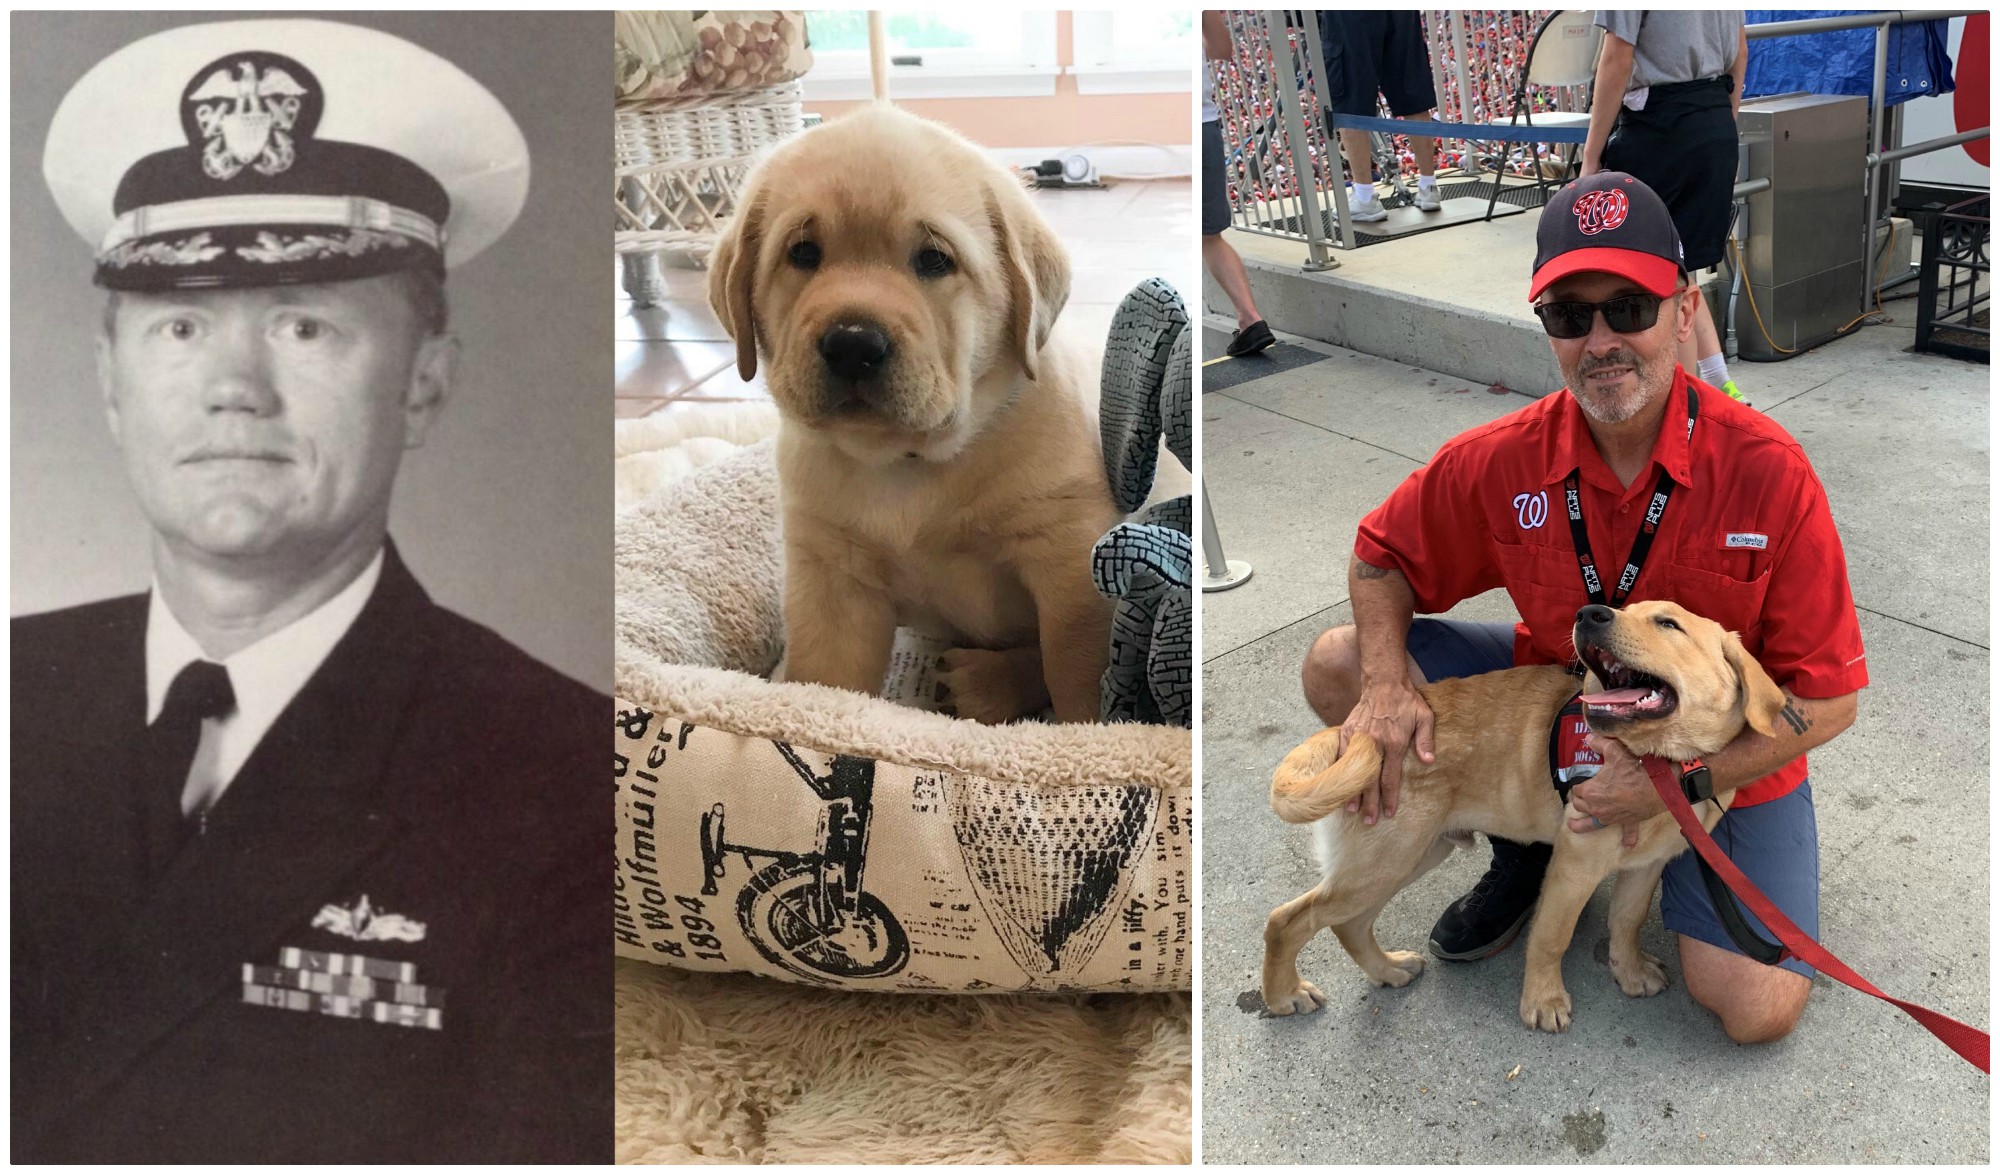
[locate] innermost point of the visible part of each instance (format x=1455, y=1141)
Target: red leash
x=1963, y=1039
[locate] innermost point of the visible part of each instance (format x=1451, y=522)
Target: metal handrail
x=1927, y=146
x=1834, y=24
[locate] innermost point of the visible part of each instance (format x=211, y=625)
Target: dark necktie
x=200, y=690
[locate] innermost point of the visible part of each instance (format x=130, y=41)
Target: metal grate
x=1954, y=287
x=1518, y=195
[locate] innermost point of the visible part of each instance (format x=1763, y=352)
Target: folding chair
x=1563, y=52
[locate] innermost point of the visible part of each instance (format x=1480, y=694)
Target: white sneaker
x=1365, y=213
x=1427, y=199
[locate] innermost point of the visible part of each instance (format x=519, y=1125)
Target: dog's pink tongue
x=1615, y=697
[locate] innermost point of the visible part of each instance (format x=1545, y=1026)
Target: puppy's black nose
x=854, y=350
x=1595, y=616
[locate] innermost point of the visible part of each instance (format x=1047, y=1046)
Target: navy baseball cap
x=1607, y=223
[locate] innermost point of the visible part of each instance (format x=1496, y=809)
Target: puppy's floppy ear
x=1036, y=267
x=732, y=271
x=1762, y=699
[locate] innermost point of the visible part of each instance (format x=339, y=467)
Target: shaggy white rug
x=735, y=1068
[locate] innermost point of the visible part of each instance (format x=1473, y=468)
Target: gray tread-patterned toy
x=1147, y=566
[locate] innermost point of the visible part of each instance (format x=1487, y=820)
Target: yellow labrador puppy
x=938, y=464
x=1662, y=681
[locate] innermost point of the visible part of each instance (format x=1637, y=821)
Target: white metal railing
x=1274, y=108
x=1266, y=144
x=1476, y=62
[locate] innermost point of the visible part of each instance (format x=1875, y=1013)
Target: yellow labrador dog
x=938, y=465
x=1662, y=681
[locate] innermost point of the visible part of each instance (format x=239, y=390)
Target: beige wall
x=1063, y=119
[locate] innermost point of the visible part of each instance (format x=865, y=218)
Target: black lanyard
x=1656, y=510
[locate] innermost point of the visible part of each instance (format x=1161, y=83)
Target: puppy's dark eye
x=804, y=255
x=1666, y=622
x=931, y=263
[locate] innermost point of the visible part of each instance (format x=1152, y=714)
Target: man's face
x=263, y=427
x=1614, y=377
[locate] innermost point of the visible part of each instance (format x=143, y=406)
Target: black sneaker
x=1482, y=923
x=1250, y=340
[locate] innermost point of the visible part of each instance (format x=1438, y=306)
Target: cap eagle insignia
x=245, y=119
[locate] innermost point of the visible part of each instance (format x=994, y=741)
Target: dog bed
x=813, y=834
x=738, y=1068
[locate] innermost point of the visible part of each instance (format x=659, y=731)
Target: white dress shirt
x=265, y=676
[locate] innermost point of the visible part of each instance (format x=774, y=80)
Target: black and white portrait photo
x=311, y=593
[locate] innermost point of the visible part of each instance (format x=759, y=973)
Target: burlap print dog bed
x=816, y=835
x=820, y=836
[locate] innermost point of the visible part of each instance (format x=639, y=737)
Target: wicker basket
x=682, y=161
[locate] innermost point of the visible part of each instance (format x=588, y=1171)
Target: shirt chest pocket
x=1546, y=584
x=1545, y=569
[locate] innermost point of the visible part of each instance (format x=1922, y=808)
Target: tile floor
x=676, y=352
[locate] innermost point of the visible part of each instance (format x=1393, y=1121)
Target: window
x=959, y=53
x=1135, y=51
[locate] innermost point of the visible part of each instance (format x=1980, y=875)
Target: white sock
x=1363, y=193
x=1427, y=182
x=1713, y=370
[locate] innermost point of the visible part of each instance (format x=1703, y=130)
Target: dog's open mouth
x=1628, y=694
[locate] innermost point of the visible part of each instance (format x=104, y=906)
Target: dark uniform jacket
x=429, y=767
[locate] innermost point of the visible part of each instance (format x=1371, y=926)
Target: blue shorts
x=1459, y=648
x=1376, y=52
x=1775, y=843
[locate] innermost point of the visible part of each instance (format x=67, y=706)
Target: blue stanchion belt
x=1463, y=130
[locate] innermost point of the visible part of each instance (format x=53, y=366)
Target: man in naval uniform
x=305, y=867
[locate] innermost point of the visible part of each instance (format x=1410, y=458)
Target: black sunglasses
x=1627, y=315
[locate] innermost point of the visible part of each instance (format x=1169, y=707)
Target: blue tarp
x=1844, y=62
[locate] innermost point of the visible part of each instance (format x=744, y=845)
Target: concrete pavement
x=1443, y=1070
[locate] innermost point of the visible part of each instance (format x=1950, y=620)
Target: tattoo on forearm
x=1794, y=717
x=1367, y=570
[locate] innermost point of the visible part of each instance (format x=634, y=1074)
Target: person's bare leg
x=1360, y=157
x=1704, y=341
x=1424, y=147
x=1705, y=336
x=1756, y=1003
x=1227, y=268
x=1331, y=674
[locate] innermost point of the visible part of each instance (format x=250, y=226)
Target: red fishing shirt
x=1747, y=541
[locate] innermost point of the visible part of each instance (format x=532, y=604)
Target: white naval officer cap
x=274, y=152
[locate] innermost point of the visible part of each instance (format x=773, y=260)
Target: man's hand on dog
x=1620, y=793
x=1390, y=713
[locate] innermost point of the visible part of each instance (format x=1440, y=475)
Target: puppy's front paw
x=1305, y=998
x=984, y=686
x=1548, y=1010
x=1639, y=977
x=1403, y=967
